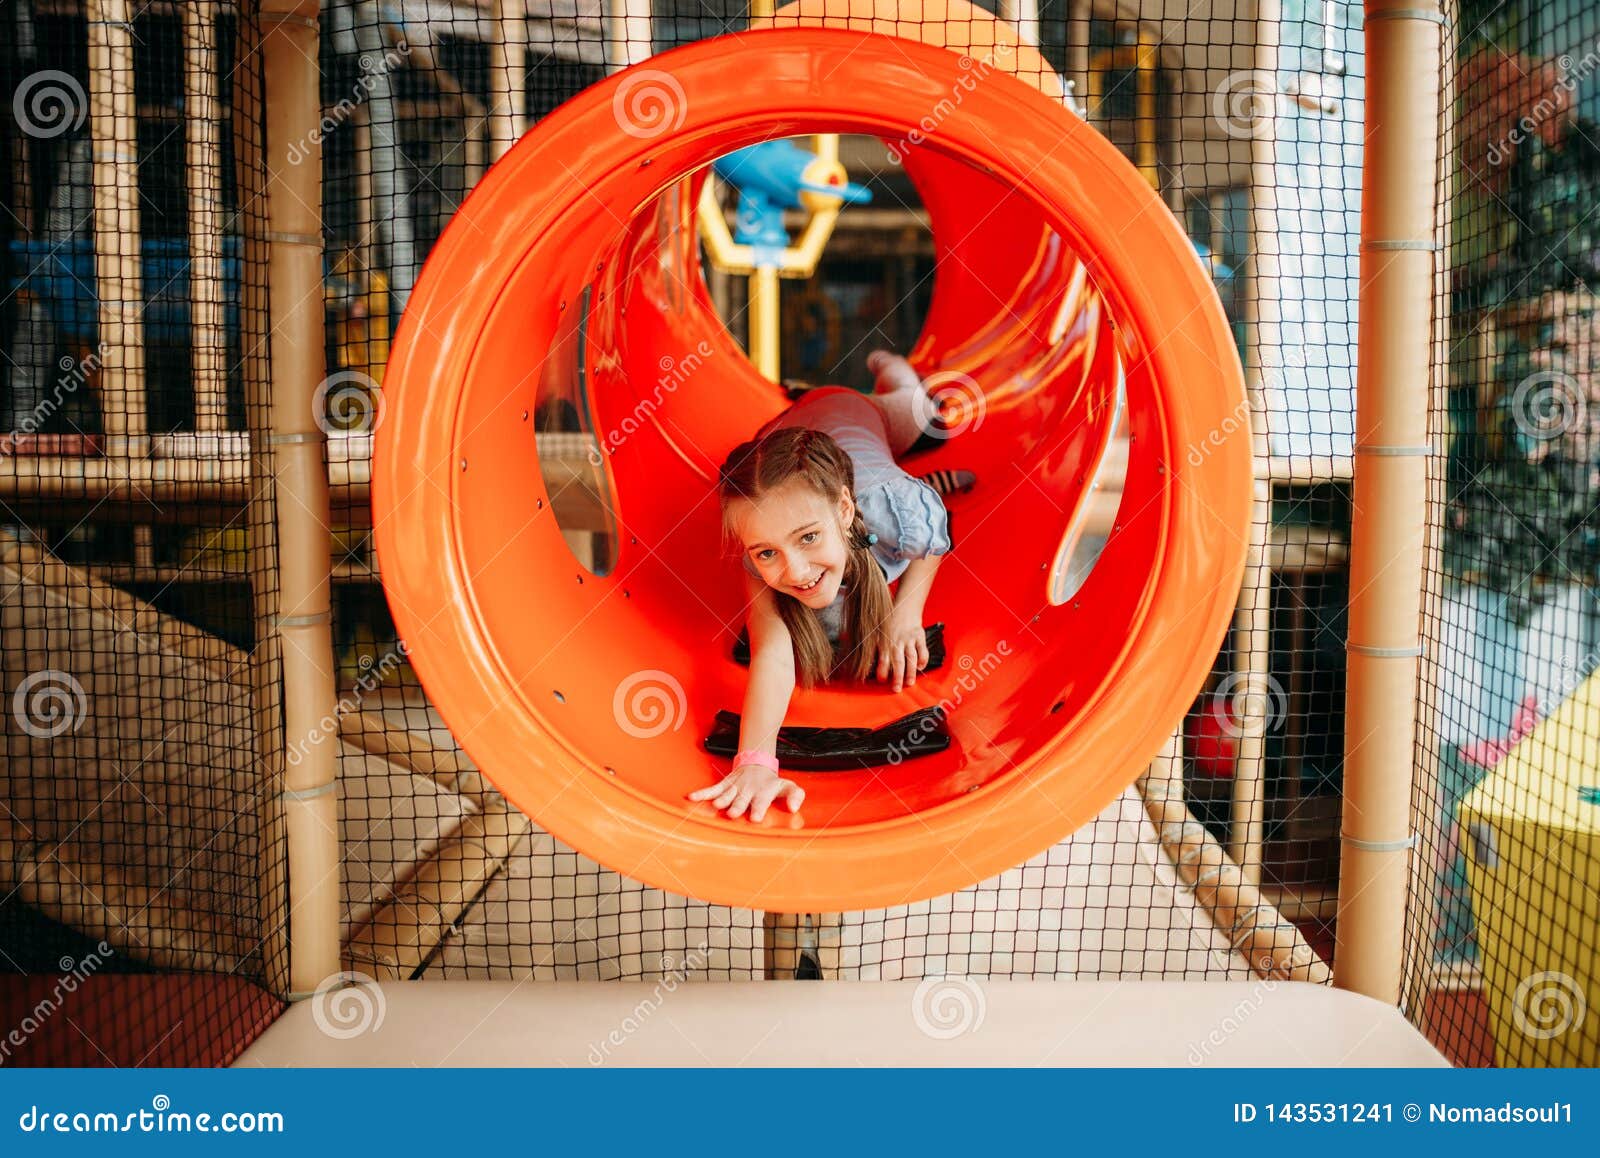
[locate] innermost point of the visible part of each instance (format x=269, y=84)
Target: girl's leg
x=892, y=372
x=950, y=482
x=907, y=410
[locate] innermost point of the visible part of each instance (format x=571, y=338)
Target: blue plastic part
x=770, y=178
x=63, y=276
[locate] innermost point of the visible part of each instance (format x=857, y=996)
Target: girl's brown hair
x=761, y=465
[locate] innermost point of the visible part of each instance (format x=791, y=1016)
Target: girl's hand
x=753, y=787
x=906, y=652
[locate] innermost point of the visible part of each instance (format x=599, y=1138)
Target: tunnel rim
x=712, y=838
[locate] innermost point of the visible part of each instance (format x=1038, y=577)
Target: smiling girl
x=824, y=520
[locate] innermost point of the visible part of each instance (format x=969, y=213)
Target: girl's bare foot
x=892, y=373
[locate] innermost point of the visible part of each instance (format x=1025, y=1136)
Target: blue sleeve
x=909, y=518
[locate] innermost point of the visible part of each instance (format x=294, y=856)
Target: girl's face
x=795, y=538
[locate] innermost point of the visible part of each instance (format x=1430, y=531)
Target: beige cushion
x=945, y=1021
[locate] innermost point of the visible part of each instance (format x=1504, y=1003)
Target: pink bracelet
x=753, y=756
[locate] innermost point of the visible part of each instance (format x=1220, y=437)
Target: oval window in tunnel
x=571, y=458
x=1091, y=525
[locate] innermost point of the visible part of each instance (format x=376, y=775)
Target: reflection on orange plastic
x=585, y=699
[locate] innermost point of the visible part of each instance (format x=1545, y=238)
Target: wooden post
x=508, y=76
x=1273, y=945
x=475, y=127
x=361, y=140
x=303, y=619
x=393, y=943
x=1252, y=625
x=629, y=33
x=1078, y=15
x=1176, y=181
x=1024, y=17
x=803, y=946
x=358, y=32
x=114, y=130
x=1398, y=240
x=204, y=157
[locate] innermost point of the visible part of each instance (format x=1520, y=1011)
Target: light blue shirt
x=906, y=514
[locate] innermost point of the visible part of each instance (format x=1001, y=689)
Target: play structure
x=769, y=178
x=1056, y=301
x=365, y=625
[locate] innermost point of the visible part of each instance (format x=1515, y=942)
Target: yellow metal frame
x=794, y=261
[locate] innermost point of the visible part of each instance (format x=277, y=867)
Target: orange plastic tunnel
x=1067, y=302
